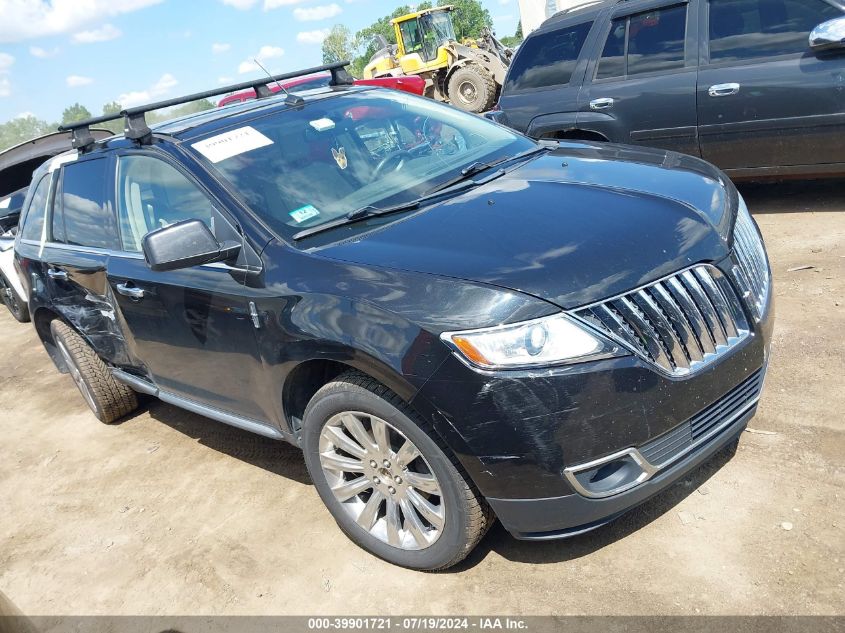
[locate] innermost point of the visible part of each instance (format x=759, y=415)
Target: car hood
x=573, y=226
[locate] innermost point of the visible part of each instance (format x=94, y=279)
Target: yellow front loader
x=468, y=75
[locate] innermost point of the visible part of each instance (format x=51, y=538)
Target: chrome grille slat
x=703, y=302
x=679, y=321
x=719, y=302
x=679, y=324
x=751, y=271
x=696, y=319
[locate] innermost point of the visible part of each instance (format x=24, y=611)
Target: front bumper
x=526, y=438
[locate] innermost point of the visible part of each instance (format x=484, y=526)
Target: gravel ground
x=171, y=513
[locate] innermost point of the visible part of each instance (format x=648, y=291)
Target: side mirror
x=828, y=35
x=185, y=244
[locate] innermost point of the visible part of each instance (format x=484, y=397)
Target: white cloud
x=25, y=115
x=312, y=37
x=312, y=14
x=275, y=4
x=264, y=54
x=224, y=80
x=42, y=53
x=139, y=97
x=5, y=87
x=504, y=2
x=77, y=81
x=218, y=48
x=28, y=19
x=6, y=62
x=243, y=5
x=103, y=34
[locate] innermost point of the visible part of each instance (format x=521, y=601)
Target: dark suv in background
x=756, y=87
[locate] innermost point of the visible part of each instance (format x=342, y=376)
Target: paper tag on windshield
x=321, y=125
x=233, y=143
x=4, y=204
x=304, y=213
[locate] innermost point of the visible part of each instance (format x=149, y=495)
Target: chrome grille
x=680, y=324
x=752, y=269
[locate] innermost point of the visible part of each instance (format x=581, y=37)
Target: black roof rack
x=135, y=125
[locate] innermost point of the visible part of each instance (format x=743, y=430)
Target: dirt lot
x=171, y=513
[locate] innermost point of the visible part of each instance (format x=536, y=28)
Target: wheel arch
x=41, y=319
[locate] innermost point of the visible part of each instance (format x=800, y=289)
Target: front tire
x=108, y=399
x=387, y=480
x=12, y=300
x=472, y=89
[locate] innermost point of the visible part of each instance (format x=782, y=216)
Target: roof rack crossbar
x=136, y=128
x=81, y=137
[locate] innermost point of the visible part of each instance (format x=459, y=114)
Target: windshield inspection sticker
x=233, y=143
x=321, y=125
x=304, y=213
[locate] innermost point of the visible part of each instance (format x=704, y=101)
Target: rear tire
x=452, y=516
x=107, y=398
x=472, y=89
x=12, y=300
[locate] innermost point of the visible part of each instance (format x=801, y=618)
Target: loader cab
x=420, y=37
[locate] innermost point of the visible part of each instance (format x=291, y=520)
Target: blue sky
x=56, y=53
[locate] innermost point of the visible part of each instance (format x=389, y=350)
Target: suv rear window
x=745, y=29
x=547, y=59
x=655, y=43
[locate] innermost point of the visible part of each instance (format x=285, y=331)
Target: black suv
x=756, y=87
x=453, y=321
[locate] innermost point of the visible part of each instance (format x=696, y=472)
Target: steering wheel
x=394, y=160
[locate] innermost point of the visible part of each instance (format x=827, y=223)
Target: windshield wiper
x=465, y=177
x=360, y=214
x=476, y=168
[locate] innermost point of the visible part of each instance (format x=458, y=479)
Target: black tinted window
x=88, y=219
x=656, y=40
x=547, y=59
x=745, y=29
x=57, y=231
x=655, y=43
x=612, y=62
x=33, y=227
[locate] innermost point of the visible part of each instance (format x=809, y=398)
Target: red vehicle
x=413, y=84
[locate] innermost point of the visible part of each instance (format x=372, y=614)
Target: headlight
x=548, y=341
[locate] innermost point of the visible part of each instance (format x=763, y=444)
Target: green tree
x=74, y=113
x=469, y=17
x=338, y=45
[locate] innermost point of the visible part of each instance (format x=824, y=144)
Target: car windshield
x=302, y=167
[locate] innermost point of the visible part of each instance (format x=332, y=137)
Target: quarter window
x=547, y=59
x=33, y=227
x=153, y=194
x=88, y=218
x=645, y=43
x=745, y=29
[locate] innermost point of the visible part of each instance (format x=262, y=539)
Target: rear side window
x=33, y=228
x=153, y=194
x=745, y=29
x=547, y=59
x=88, y=219
x=645, y=43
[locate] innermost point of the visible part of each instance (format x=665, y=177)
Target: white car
x=12, y=291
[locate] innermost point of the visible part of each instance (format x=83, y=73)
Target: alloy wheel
x=382, y=480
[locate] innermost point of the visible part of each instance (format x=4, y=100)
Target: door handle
x=129, y=290
x=55, y=273
x=723, y=90
x=601, y=104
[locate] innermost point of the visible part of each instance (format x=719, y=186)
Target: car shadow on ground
x=277, y=457
x=794, y=196
x=285, y=460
